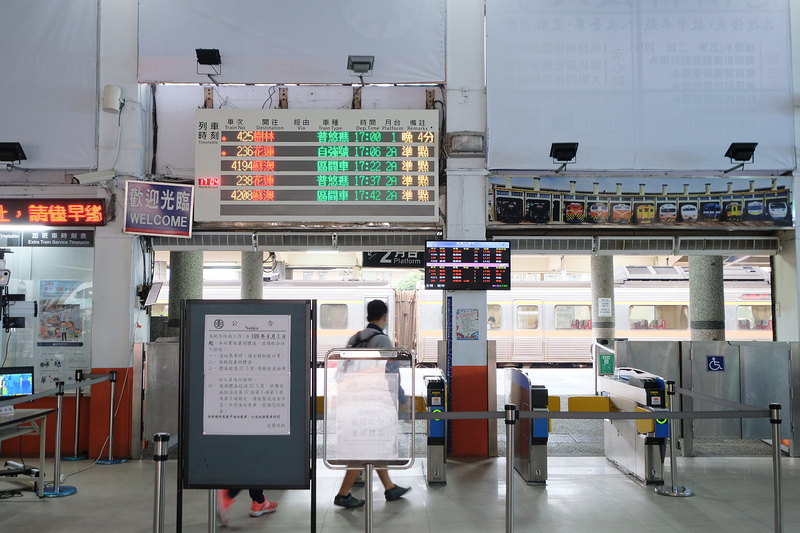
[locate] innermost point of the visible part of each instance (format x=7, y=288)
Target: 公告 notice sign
x=158, y=208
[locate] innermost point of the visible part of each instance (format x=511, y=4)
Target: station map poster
x=333, y=165
x=245, y=394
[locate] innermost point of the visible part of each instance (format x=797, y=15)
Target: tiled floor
x=582, y=494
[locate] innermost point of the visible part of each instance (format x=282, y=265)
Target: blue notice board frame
x=213, y=461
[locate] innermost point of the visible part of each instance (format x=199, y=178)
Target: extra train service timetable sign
x=304, y=165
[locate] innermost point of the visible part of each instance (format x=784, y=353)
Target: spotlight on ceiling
x=741, y=152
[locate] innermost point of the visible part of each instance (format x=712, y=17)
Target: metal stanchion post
x=674, y=490
x=775, y=420
x=111, y=460
x=212, y=510
x=75, y=456
x=511, y=419
x=160, y=454
x=58, y=489
x=368, y=498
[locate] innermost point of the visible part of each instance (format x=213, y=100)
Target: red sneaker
x=257, y=509
x=224, y=503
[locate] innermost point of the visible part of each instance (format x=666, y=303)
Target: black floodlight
x=563, y=153
x=209, y=57
x=360, y=65
x=741, y=152
x=11, y=152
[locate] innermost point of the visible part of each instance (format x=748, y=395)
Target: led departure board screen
x=309, y=165
x=468, y=265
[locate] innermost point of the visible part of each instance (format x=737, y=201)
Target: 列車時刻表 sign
x=336, y=165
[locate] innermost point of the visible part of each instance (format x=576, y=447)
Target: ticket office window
x=494, y=318
x=658, y=316
x=58, y=340
x=749, y=317
x=527, y=317
x=573, y=317
x=333, y=316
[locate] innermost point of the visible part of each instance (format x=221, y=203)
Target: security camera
x=95, y=177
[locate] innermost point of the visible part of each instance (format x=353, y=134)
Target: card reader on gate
x=653, y=385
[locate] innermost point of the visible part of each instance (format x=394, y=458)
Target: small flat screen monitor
x=15, y=381
x=468, y=265
x=152, y=294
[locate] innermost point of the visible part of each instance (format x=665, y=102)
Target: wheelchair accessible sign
x=715, y=363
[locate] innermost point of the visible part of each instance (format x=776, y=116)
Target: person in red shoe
x=259, y=506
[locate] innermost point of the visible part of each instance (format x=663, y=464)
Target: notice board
x=245, y=419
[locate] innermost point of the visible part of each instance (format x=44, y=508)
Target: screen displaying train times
x=468, y=265
x=312, y=165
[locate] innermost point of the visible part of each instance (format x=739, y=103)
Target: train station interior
x=578, y=216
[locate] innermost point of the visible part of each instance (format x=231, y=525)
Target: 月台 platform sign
x=304, y=165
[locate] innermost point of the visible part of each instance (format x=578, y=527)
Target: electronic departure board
x=468, y=265
x=309, y=165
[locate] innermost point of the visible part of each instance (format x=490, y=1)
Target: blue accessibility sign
x=715, y=363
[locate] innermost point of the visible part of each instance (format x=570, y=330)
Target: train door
x=527, y=338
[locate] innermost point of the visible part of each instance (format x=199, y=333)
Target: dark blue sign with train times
x=158, y=208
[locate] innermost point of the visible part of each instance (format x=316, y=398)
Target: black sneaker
x=348, y=501
x=395, y=493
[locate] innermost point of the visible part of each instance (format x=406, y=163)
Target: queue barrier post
x=58, y=489
x=111, y=460
x=160, y=455
x=75, y=456
x=775, y=420
x=674, y=489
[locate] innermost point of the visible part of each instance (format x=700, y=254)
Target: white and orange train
x=540, y=322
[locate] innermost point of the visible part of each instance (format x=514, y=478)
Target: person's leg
x=224, y=501
x=393, y=492
x=260, y=505
x=344, y=498
x=347, y=483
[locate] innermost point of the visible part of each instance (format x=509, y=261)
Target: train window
x=753, y=317
x=494, y=320
x=658, y=316
x=333, y=316
x=573, y=317
x=527, y=317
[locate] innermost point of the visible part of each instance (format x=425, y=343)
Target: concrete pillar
x=602, y=268
x=473, y=382
x=185, y=283
x=252, y=275
x=706, y=298
x=786, y=279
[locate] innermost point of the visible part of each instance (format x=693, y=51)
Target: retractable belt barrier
x=746, y=411
x=82, y=380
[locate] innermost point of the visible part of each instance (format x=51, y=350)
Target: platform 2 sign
x=287, y=165
x=393, y=259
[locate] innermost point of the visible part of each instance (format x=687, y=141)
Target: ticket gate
x=437, y=442
x=636, y=446
x=530, y=438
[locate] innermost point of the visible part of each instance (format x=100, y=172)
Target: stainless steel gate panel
x=661, y=358
x=161, y=388
x=715, y=372
x=765, y=380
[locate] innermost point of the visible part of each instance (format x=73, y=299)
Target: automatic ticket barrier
x=530, y=439
x=437, y=457
x=636, y=446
